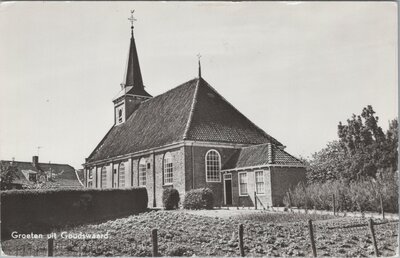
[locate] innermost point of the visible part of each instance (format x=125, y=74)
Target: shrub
x=202, y=198
x=362, y=195
x=170, y=198
x=40, y=211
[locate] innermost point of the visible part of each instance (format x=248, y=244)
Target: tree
x=8, y=173
x=363, y=150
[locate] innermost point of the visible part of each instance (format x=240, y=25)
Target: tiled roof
x=63, y=175
x=258, y=155
x=215, y=119
x=157, y=122
x=191, y=111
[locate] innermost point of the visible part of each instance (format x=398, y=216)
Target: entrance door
x=228, y=189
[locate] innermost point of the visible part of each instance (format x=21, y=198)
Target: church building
x=187, y=138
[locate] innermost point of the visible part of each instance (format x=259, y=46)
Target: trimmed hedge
x=170, y=198
x=196, y=199
x=40, y=211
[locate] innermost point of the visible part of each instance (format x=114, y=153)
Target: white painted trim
x=247, y=183
x=223, y=182
x=219, y=165
x=260, y=167
x=215, y=144
x=167, y=147
x=136, y=154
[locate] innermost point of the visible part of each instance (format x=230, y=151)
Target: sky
x=295, y=69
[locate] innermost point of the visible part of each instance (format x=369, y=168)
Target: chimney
x=35, y=161
x=271, y=154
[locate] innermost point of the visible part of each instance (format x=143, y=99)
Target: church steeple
x=132, y=93
x=133, y=74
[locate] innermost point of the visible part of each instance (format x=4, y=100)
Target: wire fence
x=319, y=233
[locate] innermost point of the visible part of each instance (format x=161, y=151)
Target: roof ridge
x=194, y=101
x=159, y=95
x=153, y=98
x=102, y=140
x=258, y=128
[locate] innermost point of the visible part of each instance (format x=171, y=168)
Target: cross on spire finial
x=132, y=19
x=198, y=58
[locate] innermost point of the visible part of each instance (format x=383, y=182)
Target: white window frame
x=247, y=184
x=168, y=156
x=263, y=181
x=121, y=183
x=90, y=176
x=103, y=179
x=141, y=178
x=219, y=167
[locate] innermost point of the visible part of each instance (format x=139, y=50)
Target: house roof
x=63, y=175
x=261, y=155
x=191, y=111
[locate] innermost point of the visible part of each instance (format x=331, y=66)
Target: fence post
x=50, y=247
x=241, y=248
x=289, y=199
x=255, y=200
x=310, y=229
x=382, y=210
x=371, y=228
x=155, y=242
x=334, y=204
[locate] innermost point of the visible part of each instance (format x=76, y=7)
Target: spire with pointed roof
x=133, y=83
x=132, y=92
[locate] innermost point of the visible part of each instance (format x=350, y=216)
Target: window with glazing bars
x=260, y=186
x=168, y=169
x=121, y=175
x=104, y=177
x=243, y=184
x=213, y=165
x=142, y=172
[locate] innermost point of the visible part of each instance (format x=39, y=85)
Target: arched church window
x=168, y=169
x=103, y=177
x=122, y=175
x=213, y=166
x=142, y=172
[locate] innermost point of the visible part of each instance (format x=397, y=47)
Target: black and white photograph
x=143, y=129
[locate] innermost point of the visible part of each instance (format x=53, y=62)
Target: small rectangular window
x=243, y=184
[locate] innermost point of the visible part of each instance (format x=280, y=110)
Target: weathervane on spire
x=132, y=19
x=198, y=58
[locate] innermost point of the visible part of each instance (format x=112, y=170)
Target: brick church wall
x=195, y=162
